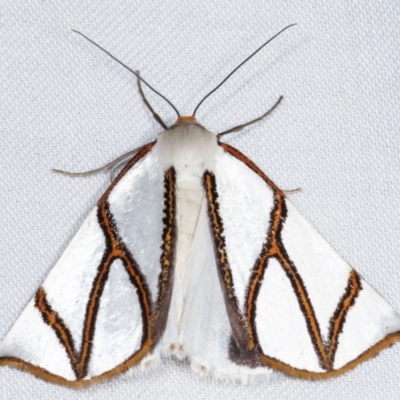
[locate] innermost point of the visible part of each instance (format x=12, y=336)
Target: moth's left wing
x=300, y=306
x=93, y=317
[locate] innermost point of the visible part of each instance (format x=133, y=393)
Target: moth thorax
x=188, y=147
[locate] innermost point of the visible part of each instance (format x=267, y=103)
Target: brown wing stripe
x=239, y=328
x=259, y=270
x=167, y=259
x=51, y=318
x=387, y=341
x=339, y=317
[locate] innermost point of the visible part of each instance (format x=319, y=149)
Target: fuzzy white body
x=198, y=325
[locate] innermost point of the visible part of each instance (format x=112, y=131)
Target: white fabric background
x=65, y=104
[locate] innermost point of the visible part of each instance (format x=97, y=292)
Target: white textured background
x=65, y=104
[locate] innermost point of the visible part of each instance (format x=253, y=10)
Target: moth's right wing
x=306, y=312
x=102, y=308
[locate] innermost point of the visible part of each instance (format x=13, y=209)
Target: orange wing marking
x=167, y=259
x=55, y=321
x=339, y=317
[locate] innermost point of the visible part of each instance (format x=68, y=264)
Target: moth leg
x=155, y=115
x=108, y=167
x=292, y=191
x=240, y=127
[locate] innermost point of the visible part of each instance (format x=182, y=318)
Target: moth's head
x=185, y=120
x=189, y=118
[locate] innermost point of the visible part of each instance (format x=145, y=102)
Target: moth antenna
x=107, y=167
x=129, y=69
x=243, y=62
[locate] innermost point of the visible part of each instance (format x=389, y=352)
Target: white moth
x=193, y=251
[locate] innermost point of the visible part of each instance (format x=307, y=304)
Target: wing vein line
x=53, y=319
x=338, y=319
x=167, y=258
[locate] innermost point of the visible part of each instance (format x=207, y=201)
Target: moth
x=194, y=252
